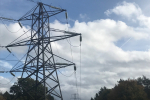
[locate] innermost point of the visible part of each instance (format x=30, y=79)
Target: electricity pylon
x=75, y=97
x=40, y=62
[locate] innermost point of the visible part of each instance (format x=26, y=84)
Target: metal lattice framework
x=40, y=63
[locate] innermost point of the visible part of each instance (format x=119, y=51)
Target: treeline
x=9, y=96
x=131, y=89
x=20, y=92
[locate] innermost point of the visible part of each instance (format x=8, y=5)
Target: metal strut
x=40, y=63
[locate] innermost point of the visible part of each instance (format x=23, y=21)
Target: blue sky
x=115, y=41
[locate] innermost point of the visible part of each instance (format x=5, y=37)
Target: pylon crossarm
x=36, y=41
x=4, y=18
x=67, y=32
x=40, y=62
x=54, y=11
x=4, y=71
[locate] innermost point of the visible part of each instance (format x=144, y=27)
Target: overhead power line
x=40, y=61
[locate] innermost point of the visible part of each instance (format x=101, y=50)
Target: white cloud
x=144, y=20
x=100, y=56
x=9, y=33
x=131, y=11
x=125, y=9
x=103, y=62
x=4, y=84
x=5, y=64
x=84, y=17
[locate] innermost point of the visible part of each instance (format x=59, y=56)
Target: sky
x=115, y=42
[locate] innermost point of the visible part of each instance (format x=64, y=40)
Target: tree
x=24, y=90
x=145, y=82
x=1, y=97
x=127, y=90
x=49, y=97
x=96, y=96
x=92, y=99
x=7, y=96
x=137, y=89
x=102, y=94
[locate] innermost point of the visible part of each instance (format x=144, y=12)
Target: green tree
x=49, y=97
x=7, y=96
x=102, y=94
x=24, y=90
x=127, y=90
x=2, y=98
x=92, y=99
x=96, y=96
x=145, y=82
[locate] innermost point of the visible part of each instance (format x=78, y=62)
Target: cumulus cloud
x=125, y=9
x=11, y=32
x=84, y=17
x=5, y=64
x=103, y=62
x=131, y=11
x=5, y=84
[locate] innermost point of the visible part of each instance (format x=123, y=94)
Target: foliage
x=49, y=97
x=7, y=96
x=2, y=98
x=128, y=90
x=137, y=89
x=102, y=94
x=145, y=82
x=24, y=90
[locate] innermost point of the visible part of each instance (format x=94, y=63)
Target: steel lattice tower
x=75, y=97
x=40, y=63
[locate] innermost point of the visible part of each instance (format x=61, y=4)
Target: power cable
x=20, y=36
x=56, y=17
x=16, y=57
x=28, y=11
x=9, y=81
x=71, y=53
x=66, y=75
x=9, y=60
x=80, y=59
x=14, y=66
x=68, y=29
x=80, y=69
x=14, y=32
x=32, y=1
x=4, y=70
x=5, y=57
x=76, y=82
x=59, y=20
x=71, y=44
x=58, y=69
x=19, y=60
x=7, y=27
